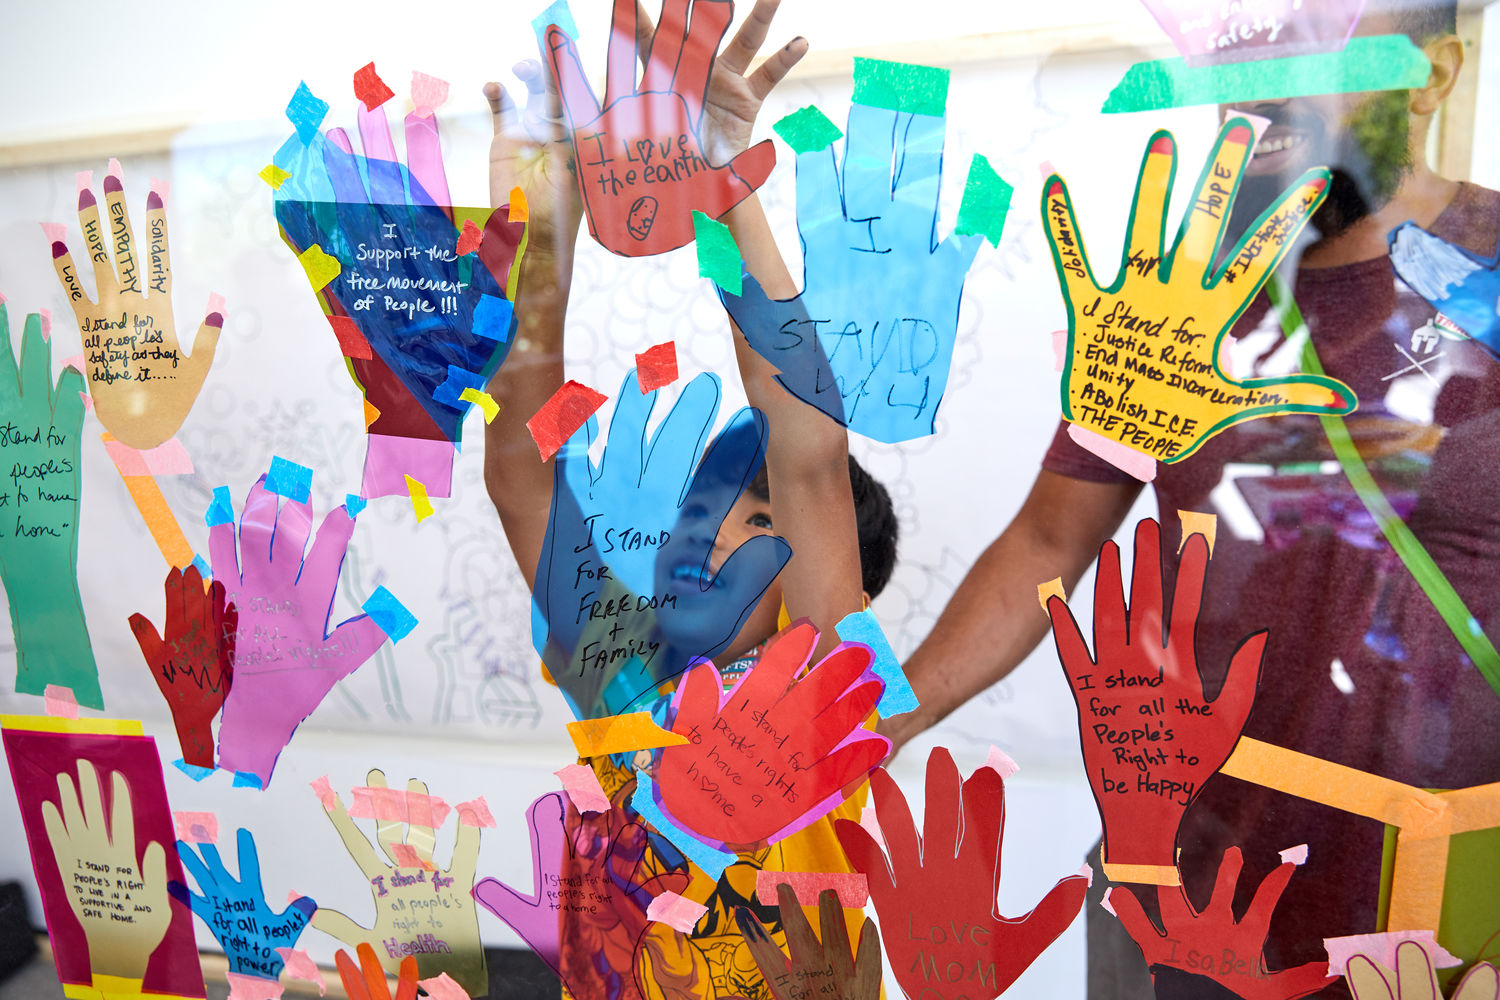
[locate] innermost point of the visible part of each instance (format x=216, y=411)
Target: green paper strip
x=1463, y=625
x=986, y=201
x=718, y=254
x=807, y=130
x=1380, y=62
x=921, y=90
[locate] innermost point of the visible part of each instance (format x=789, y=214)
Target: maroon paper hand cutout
x=822, y=967
x=936, y=895
x=1151, y=735
x=640, y=160
x=193, y=662
x=772, y=754
x=1213, y=945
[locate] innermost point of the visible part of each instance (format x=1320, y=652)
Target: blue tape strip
x=898, y=697
x=390, y=614
x=193, y=770
x=492, y=318
x=458, y=380
x=711, y=860
x=246, y=779
x=306, y=113
x=558, y=14
x=202, y=565
x=354, y=504
x=290, y=480
x=220, y=509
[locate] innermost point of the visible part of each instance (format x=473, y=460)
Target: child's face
x=699, y=613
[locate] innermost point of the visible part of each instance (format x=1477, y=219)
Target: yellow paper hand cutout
x=1142, y=365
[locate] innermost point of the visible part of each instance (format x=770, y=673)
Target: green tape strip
x=986, y=201
x=1463, y=625
x=921, y=90
x=807, y=130
x=1379, y=62
x=718, y=253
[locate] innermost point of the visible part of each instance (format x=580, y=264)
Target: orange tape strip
x=159, y=521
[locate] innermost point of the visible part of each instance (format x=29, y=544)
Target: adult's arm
x=994, y=620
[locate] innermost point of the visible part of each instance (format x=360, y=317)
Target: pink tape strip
x=583, y=788
x=59, y=702
x=114, y=169
x=1001, y=762
x=215, y=304
x=1381, y=949
x=1104, y=902
x=55, y=232
x=398, y=806
x=196, y=827
x=325, y=794
x=475, y=812
x=46, y=324
x=85, y=180
x=169, y=459
x=675, y=911
x=162, y=188
x=75, y=362
x=1128, y=460
x=1059, y=350
x=242, y=987
x=428, y=93
x=1296, y=855
x=852, y=888
x=88, y=401
x=299, y=965
x=406, y=856
x=443, y=988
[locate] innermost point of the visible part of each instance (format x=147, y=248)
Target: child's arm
x=807, y=460
x=532, y=152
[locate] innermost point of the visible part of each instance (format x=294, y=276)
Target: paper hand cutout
x=870, y=339
x=1196, y=949
x=591, y=943
x=943, y=886
x=1461, y=285
x=285, y=661
x=1414, y=979
x=367, y=981
x=773, y=753
x=244, y=924
x=420, y=910
x=194, y=663
x=1142, y=365
x=1150, y=735
x=627, y=591
x=640, y=158
x=417, y=322
x=39, y=444
x=822, y=966
x=123, y=933
x=141, y=383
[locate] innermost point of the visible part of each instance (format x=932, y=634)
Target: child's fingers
x=120, y=235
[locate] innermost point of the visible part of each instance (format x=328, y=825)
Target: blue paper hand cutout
x=1461, y=285
x=236, y=911
x=631, y=587
x=870, y=339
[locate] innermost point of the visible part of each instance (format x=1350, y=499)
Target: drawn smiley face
x=642, y=217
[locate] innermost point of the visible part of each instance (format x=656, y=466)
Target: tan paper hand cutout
x=141, y=382
x=120, y=898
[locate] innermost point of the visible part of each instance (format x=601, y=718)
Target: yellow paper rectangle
x=79, y=727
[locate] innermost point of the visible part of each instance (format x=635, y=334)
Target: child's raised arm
x=530, y=151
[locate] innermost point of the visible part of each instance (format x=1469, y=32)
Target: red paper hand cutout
x=367, y=980
x=1212, y=945
x=772, y=754
x=640, y=160
x=936, y=895
x=1151, y=736
x=193, y=662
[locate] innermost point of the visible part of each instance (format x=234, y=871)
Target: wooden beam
x=1455, y=125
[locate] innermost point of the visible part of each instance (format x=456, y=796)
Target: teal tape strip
x=807, y=130
x=986, y=202
x=1455, y=614
x=718, y=254
x=711, y=860
x=354, y=504
x=246, y=779
x=193, y=770
x=1379, y=62
x=220, y=509
x=288, y=479
x=558, y=14
x=390, y=614
x=898, y=697
x=920, y=90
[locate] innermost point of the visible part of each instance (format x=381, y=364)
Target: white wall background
x=458, y=702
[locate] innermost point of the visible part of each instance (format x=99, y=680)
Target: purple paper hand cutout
x=285, y=660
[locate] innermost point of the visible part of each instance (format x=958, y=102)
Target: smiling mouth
x=1278, y=143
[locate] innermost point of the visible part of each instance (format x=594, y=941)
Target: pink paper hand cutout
x=286, y=661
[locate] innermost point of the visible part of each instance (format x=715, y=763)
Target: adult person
x=1359, y=667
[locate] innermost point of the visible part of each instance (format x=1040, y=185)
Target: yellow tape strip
x=1142, y=874
x=82, y=727
x=620, y=734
